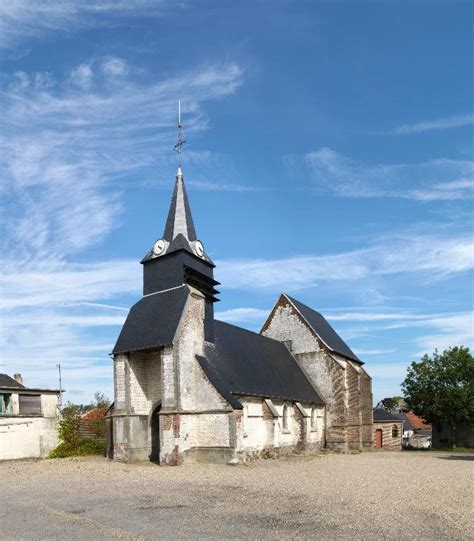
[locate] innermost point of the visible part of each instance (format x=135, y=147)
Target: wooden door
x=378, y=438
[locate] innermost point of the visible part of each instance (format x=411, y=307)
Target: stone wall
x=367, y=414
x=344, y=386
x=193, y=417
x=354, y=420
x=260, y=430
x=389, y=441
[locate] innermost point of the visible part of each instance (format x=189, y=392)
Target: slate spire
x=179, y=231
x=180, y=220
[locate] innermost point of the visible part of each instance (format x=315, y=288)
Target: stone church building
x=190, y=388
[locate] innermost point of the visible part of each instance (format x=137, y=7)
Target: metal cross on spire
x=180, y=142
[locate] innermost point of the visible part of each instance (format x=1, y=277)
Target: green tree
x=391, y=403
x=440, y=388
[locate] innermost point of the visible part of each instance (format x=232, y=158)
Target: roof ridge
x=323, y=329
x=249, y=331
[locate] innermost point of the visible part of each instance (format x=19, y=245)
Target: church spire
x=179, y=231
x=180, y=220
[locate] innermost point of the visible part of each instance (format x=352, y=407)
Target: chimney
x=18, y=378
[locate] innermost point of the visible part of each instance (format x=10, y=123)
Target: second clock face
x=158, y=247
x=199, y=248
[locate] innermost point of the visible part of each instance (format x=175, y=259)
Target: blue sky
x=329, y=155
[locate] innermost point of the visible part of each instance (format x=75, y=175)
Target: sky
x=329, y=155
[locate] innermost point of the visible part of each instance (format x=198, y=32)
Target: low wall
x=27, y=437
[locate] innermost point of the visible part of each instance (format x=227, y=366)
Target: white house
x=28, y=419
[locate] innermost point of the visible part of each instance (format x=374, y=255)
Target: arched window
x=394, y=431
x=285, y=417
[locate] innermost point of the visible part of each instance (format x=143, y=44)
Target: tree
x=100, y=401
x=392, y=403
x=440, y=388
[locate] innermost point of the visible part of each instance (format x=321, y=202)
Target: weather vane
x=180, y=142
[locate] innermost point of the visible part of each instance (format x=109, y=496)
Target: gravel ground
x=373, y=495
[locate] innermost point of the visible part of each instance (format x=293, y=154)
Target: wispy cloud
x=66, y=147
x=243, y=315
x=23, y=19
x=434, y=180
x=68, y=142
x=425, y=258
x=67, y=284
x=448, y=330
x=445, y=123
x=222, y=187
x=378, y=352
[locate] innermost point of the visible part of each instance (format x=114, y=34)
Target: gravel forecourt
x=371, y=495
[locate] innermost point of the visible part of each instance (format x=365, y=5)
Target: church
x=188, y=387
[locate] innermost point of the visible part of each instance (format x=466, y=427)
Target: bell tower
x=178, y=257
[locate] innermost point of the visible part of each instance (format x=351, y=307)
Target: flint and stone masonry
x=190, y=388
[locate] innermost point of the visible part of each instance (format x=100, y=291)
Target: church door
x=155, y=434
x=378, y=438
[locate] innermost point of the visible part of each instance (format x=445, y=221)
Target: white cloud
x=451, y=330
x=438, y=124
x=434, y=180
x=59, y=284
x=425, y=258
x=242, y=315
x=114, y=67
x=81, y=76
x=221, y=187
x=66, y=149
x=24, y=19
x=361, y=352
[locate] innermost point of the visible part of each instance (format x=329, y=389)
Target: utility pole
x=60, y=401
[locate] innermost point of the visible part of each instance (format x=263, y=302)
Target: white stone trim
x=271, y=407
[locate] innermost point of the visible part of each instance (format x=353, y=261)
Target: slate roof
x=406, y=423
x=241, y=362
x=179, y=232
x=152, y=321
x=8, y=381
x=179, y=219
x=384, y=416
x=324, y=330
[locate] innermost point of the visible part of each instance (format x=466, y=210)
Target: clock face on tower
x=199, y=248
x=158, y=247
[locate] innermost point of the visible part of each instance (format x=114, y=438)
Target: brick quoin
x=176, y=425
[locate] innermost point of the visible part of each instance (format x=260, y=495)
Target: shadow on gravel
x=457, y=457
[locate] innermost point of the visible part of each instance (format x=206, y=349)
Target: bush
x=86, y=446
x=72, y=443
